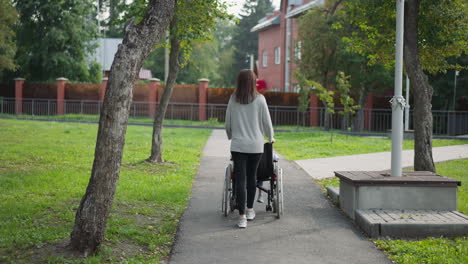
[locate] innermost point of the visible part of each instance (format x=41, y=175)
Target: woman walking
x=247, y=122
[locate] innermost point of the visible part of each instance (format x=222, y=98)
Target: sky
x=237, y=5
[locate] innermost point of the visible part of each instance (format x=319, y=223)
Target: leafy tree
x=212, y=59
x=318, y=62
x=319, y=44
x=343, y=87
x=8, y=18
x=183, y=34
x=308, y=87
x=202, y=63
x=434, y=31
x=443, y=84
x=140, y=38
x=244, y=41
x=112, y=25
x=54, y=38
x=226, y=71
x=155, y=62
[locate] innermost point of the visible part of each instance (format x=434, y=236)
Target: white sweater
x=247, y=123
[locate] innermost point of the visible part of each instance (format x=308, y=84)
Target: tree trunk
x=326, y=117
x=421, y=89
x=362, y=102
x=91, y=216
x=174, y=67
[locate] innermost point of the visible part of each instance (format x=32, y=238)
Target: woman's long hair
x=246, y=87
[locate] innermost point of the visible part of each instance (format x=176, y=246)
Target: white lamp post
x=407, y=106
x=455, y=90
x=398, y=102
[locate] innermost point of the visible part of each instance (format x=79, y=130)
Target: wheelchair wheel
x=226, y=191
x=278, y=205
x=232, y=196
x=280, y=192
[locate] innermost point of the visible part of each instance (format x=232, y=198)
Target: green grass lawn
x=311, y=145
x=131, y=119
x=147, y=120
x=45, y=168
x=431, y=250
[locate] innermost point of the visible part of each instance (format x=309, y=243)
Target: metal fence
x=367, y=120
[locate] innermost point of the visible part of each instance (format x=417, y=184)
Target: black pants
x=245, y=170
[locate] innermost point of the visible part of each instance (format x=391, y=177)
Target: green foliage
x=308, y=87
x=94, y=73
x=323, y=54
x=457, y=169
x=45, y=168
x=54, y=39
x=429, y=251
x=8, y=18
x=442, y=31
x=202, y=63
x=205, y=13
x=311, y=145
x=319, y=42
x=155, y=62
x=443, y=84
x=225, y=59
x=111, y=26
x=187, y=31
x=212, y=59
x=343, y=88
x=244, y=41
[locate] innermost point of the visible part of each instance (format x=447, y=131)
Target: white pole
x=454, y=103
x=99, y=19
x=398, y=102
x=407, y=106
x=251, y=62
x=166, y=57
x=287, y=55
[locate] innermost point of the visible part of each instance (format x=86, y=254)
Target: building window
x=277, y=55
x=264, y=59
x=297, y=51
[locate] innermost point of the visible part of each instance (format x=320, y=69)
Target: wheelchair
x=268, y=171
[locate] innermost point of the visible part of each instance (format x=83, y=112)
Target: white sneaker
x=242, y=222
x=260, y=197
x=250, y=214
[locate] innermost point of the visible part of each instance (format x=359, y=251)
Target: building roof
x=276, y=20
x=264, y=24
x=104, y=54
x=301, y=9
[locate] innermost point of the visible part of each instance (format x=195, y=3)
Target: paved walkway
x=312, y=230
x=323, y=168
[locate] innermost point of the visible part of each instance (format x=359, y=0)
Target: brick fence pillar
x=202, y=98
x=314, y=110
x=368, y=112
x=153, y=95
x=61, y=83
x=19, y=85
x=102, y=89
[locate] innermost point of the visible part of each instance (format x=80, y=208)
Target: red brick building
x=278, y=46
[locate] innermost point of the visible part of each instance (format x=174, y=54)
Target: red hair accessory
x=261, y=85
